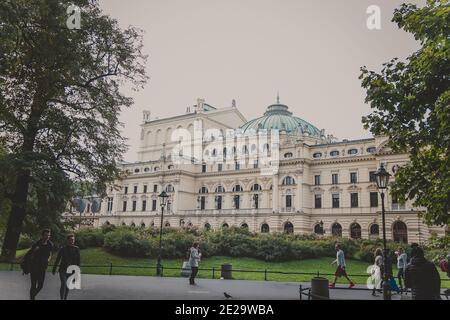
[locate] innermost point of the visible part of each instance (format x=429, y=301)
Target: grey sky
x=308, y=50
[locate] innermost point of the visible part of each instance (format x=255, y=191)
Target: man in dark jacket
x=422, y=277
x=67, y=256
x=41, y=252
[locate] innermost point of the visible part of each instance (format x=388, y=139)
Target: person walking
x=422, y=277
x=68, y=255
x=340, y=271
x=378, y=270
x=194, y=258
x=402, y=261
x=41, y=252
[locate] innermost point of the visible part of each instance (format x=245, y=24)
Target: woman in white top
x=401, y=265
x=194, y=258
x=378, y=269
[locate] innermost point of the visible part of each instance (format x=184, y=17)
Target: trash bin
x=319, y=289
x=186, y=269
x=226, y=271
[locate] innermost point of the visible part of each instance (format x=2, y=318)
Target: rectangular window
x=219, y=202
x=203, y=167
x=317, y=180
x=202, y=203
x=255, y=198
x=153, y=205
x=255, y=164
x=372, y=176
x=317, y=201
x=135, y=189
x=334, y=178
x=219, y=167
x=110, y=204
x=237, y=201
x=144, y=205
x=145, y=188
x=237, y=166
x=134, y=205
x=125, y=191
x=353, y=177
x=354, y=200
x=335, y=200
x=155, y=188
x=124, y=206
x=374, y=199
x=288, y=201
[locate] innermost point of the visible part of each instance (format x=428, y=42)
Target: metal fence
x=215, y=271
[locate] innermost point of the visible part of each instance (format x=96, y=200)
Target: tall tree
x=60, y=98
x=410, y=101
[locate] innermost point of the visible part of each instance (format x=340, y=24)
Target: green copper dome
x=278, y=117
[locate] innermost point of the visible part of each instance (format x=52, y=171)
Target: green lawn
x=97, y=261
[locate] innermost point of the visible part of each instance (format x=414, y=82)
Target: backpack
x=444, y=266
x=25, y=264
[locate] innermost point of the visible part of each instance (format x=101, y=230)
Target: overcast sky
x=310, y=51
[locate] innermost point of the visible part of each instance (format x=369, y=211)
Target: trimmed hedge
x=234, y=242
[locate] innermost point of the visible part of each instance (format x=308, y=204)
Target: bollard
x=110, y=268
x=213, y=276
x=265, y=274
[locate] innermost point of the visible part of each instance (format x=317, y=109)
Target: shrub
x=89, y=238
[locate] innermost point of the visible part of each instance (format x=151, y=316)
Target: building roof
x=277, y=116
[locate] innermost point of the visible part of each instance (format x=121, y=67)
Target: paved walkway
x=13, y=285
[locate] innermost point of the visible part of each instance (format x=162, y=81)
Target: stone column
x=299, y=193
x=275, y=194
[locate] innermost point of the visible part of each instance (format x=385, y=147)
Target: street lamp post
x=382, y=179
x=163, y=198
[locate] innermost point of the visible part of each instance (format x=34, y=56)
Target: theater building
x=320, y=185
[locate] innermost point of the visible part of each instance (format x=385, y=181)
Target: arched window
x=124, y=224
x=156, y=169
x=214, y=152
x=203, y=190
x=352, y=151
x=142, y=225
x=207, y=226
x=355, y=231
x=288, y=227
x=266, y=148
x=225, y=225
x=167, y=225
x=237, y=188
x=334, y=153
x=133, y=225
x=317, y=155
x=146, y=169
x=400, y=232
x=220, y=189
x=256, y=187
x=336, y=230
x=288, y=155
x=136, y=170
x=170, y=167
x=374, y=230
x=318, y=229
x=287, y=181
x=265, y=228
x=169, y=188
x=244, y=226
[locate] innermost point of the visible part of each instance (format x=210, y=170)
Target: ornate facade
x=321, y=185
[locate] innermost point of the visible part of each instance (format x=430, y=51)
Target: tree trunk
x=16, y=216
